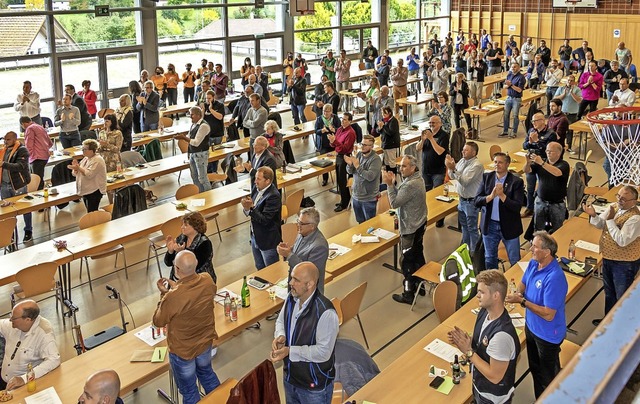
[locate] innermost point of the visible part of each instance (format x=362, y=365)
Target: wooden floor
x=391, y=328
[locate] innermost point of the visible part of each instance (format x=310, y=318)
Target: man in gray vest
x=254, y=119
x=198, y=149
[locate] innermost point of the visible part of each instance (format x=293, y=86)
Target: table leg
x=580, y=148
x=393, y=267
x=173, y=396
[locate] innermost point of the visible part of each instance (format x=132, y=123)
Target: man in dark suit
x=264, y=208
x=148, y=102
x=500, y=196
x=262, y=157
x=78, y=102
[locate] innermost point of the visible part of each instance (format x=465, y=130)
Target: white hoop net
x=617, y=131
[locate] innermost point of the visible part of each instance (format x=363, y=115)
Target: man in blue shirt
x=542, y=292
x=514, y=84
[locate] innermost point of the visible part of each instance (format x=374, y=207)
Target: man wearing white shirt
x=29, y=340
x=528, y=51
x=624, y=96
x=305, y=336
x=28, y=103
x=619, y=244
x=552, y=76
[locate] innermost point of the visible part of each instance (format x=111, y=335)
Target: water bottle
x=119, y=167
x=513, y=289
x=227, y=305
x=572, y=250
x=233, y=312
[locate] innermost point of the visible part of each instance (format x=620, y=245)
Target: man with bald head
x=305, y=336
x=102, y=387
x=15, y=175
x=29, y=340
x=186, y=309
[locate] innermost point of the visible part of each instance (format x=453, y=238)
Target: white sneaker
x=571, y=151
x=214, y=351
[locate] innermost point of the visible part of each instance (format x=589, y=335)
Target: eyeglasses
x=368, y=145
x=16, y=318
x=302, y=223
x=13, y=355
x=621, y=199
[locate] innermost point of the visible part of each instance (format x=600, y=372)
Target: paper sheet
x=40, y=257
x=342, y=250
x=220, y=296
x=521, y=154
x=288, y=177
x=517, y=319
x=197, y=202
x=523, y=265
x=442, y=350
x=46, y=396
x=146, y=336
x=382, y=233
x=585, y=245
x=369, y=239
x=282, y=292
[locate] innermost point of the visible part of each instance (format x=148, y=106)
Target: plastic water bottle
x=572, y=250
x=161, y=128
x=233, y=312
x=513, y=289
x=227, y=305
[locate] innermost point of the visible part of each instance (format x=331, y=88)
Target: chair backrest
x=586, y=159
x=444, y=299
x=361, y=65
x=45, y=121
x=309, y=114
x=6, y=231
x=171, y=227
x=183, y=145
x=187, y=190
x=105, y=111
x=34, y=183
x=293, y=202
x=495, y=148
x=37, y=279
x=350, y=304
x=131, y=158
x=94, y=218
x=289, y=233
x=272, y=100
x=166, y=121
x=383, y=203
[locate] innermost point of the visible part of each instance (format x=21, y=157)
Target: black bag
x=477, y=257
x=307, y=202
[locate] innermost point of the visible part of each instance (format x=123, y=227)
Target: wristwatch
x=523, y=302
x=469, y=354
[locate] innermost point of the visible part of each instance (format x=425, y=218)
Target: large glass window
x=14, y=73
x=400, y=10
x=177, y=24
x=86, y=31
x=357, y=12
x=24, y=35
x=121, y=69
x=270, y=51
x=181, y=54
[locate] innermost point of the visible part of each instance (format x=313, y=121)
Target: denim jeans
x=198, y=164
x=186, y=371
x=468, y=218
x=511, y=107
x=606, y=165
x=432, y=180
x=297, y=395
x=491, y=241
x=70, y=139
x=7, y=191
x=544, y=212
x=263, y=258
x=363, y=210
x=531, y=189
x=298, y=114
x=147, y=126
x=544, y=361
x=617, y=276
x=369, y=65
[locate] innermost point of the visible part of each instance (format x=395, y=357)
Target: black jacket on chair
x=266, y=218
x=60, y=174
x=128, y=200
x=510, y=221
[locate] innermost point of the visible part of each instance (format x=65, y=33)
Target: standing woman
x=89, y=97
x=590, y=83
x=459, y=93
x=441, y=108
x=192, y=238
x=326, y=124
x=369, y=97
x=172, y=78
x=160, y=83
x=91, y=175
x=389, y=129
x=476, y=69
x=111, y=144
x=246, y=70
x=413, y=64
x=134, y=91
x=124, y=116
x=515, y=57
x=274, y=137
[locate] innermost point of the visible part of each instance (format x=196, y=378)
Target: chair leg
x=218, y=228
x=362, y=329
x=149, y=255
x=415, y=295
x=86, y=261
x=158, y=262
x=126, y=268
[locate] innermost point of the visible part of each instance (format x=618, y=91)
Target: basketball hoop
x=617, y=131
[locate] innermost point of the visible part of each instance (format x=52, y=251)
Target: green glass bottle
x=245, y=294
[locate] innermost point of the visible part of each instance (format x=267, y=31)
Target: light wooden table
x=221, y=393
x=412, y=101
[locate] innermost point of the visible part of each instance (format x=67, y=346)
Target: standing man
x=558, y=121
x=102, y=387
x=528, y=52
x=68, y=119
x=612, y=78
x=365, y=168
x=298, y=99
x=252, y=82
x=619, y=244
x=544, y=52
x=78, y=102
x=494, y=58
x=305, y=337
x=254, y=119
x=15, y=176
x=264, y=207
x=287, y=65
x=553, y=174
x=485, y=40
x=624, y=96
x=219, y=82
x=369, y=55
x=343, y=74
x=189, y=82
x=494, y=347
x=409, y=200
x=399, y=76
x=434, y=144
x=186, y=309
x=590, y=82
x=343, y=142
x=328, y=64
x=500, y=197
x=468, y=173
x=148, y=103
x=28, y=103
x=261, y=157
x=514, y=84
x=536, y=142
x=262, y=78
x=439, y=78
x=580, y=55
x=310, y=245
x=331, y=97
x=552, y=76
x=201, y=99
x=32, y=333
x=565, y=56
x=198, y=149
x=623, y=56
x=571, y=97
x=542, y=292
x=38, y=144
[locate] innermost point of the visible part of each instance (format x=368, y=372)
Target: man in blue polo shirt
x=542, y=292
x=514, y=84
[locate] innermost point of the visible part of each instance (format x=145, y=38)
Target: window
x=76, y=32
x=179, y=24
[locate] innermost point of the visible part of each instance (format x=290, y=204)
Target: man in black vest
x=305, y=336
x=493, y=350
x=198, y=149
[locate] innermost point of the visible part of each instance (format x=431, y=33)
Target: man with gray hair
x=384, y=100
x=409, y=200
x=102, y=387
x=310, y=244
x=365, y=167
x=254, y=119
x=198, y=149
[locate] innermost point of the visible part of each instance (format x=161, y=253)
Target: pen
x=159, y=354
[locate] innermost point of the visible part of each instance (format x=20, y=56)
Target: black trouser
x=92, y=200
x=37, y=167
x=189, y=94
x=544, y=361
x=172, y=96
x=458, y=110
x=572, y=119
x=341, y=179
x=582, y=108
x=411, y=257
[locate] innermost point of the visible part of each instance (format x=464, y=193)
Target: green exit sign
x=103, y=11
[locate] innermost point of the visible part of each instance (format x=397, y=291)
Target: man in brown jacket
x=186, y=309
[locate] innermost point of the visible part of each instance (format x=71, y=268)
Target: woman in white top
x=370, y=96
x=91, y=175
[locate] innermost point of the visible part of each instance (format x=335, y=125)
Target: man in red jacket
x=343, y=142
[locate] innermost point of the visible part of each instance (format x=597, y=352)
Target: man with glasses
x=148, y=102
x=310, y=244
x=29, y=340
x=68, y=119
x=78, y=102
x=550, y=208
x=434, y=144
x=365, y=168
x=198, y=149
x=619, y=244
x=15, y=175
x=536, y=143
x=571, y=97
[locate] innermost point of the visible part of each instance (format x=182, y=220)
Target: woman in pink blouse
x=591, y=82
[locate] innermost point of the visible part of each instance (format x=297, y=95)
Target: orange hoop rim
x=593, y=117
